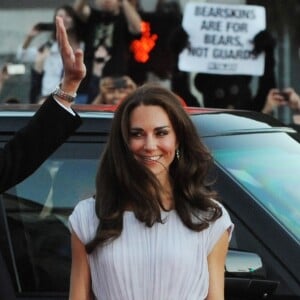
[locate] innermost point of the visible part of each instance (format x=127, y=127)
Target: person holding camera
x=100, y=62
x=47, y=68
x=281, y=104
x=113, y=24
x=113, y=89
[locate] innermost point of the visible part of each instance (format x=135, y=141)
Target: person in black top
x=112, y=24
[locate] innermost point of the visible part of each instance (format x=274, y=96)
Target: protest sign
x=220, y=39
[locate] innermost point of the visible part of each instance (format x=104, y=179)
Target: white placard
x=220, y=39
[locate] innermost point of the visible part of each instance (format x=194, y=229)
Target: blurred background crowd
x=130, y=42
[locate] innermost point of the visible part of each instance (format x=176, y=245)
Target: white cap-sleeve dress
x=165, y=262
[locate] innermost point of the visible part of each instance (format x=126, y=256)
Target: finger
x=289, y=90
x=274, y=91
x=79, y=61
x=79, y=56
x=279, y=98
x=57, y=24
x=62, y=38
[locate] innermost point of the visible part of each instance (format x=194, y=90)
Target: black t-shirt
x=111, y=31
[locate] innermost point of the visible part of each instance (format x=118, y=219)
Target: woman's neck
x=167, y=194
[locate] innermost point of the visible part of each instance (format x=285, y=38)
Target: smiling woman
x=153, y=141
x=152, y=197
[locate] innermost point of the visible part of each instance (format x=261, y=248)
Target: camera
x=15, y=69
x=45, y=26
x=99, y=60
x=285, y=96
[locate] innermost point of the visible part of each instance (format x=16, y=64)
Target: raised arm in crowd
x=49, y=127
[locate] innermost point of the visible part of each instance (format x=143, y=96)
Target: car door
x=34, y=230
x=245, y=180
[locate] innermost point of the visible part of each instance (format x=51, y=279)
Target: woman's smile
x=151, y=158
x=152, y=138
x=150, y=161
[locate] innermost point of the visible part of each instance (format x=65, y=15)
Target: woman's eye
x=162, y=132
x=135, y=134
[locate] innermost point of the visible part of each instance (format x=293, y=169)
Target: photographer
x=275, y=98
x=113, y=89
x=113, y=24
x=281, y=104
x=47, y=65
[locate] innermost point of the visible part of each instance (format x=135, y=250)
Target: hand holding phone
x=285, y=96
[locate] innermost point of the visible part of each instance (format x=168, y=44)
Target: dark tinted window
x=37, y=213
x=268, y=166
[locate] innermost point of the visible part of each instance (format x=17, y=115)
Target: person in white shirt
x=154, y=229
x=47, y=68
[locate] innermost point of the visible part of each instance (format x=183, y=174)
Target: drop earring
x=177, y=153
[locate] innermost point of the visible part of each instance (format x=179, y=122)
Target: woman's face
x=152, y=139
x=67, y=19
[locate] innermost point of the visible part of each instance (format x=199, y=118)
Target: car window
x=266, y=165
x=37, y=212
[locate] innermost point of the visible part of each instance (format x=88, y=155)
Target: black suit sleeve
x=27, y=150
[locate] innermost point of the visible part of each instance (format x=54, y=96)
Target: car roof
x=29, y=109
x=209, y=121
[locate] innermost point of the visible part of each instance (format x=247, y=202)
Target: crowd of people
x=103, y=31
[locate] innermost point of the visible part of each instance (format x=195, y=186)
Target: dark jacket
x=26, y=151
x=30, y=146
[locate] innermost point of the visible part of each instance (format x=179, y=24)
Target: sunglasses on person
x=99, y=60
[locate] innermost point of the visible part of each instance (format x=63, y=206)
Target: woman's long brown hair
x=122, y=180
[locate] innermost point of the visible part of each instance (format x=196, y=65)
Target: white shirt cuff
x=70, y=110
